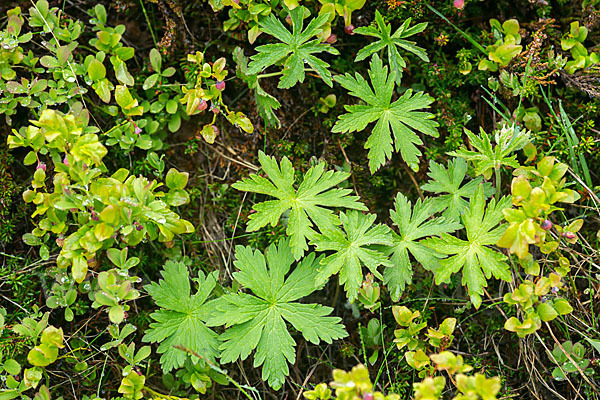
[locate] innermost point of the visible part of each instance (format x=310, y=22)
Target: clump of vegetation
x=244, y=198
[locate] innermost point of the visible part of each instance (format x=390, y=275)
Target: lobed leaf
x=309, y=205
x=400, y=118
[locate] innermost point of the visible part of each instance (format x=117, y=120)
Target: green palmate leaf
x=477, y=261
x=488, y=157
x=413, y=226
x=391, y=42
x=447, y=184
x=296, y=49
x=308, y=204
x=180, y=321
x=399, y=117
x=352, y=249
x=257, y=320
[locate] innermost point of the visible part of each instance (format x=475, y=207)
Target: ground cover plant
x=263, y=199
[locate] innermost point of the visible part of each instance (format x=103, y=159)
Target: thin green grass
x=463, y=33
x=577, y=161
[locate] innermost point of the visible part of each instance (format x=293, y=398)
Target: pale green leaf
x=309, y=204
x=477, y=261
x=447, y=184
x=353, y=248
x=180, y=321
x=414, y=224
x=397, y=122
x=295, y=51
x=391, y=42
x=488, y=158
x=257, y=321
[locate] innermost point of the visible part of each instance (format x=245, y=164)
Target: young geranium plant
x=257, y=320
x=295, y=51
x=310, y=204
x=473, y=256
x=396, y=122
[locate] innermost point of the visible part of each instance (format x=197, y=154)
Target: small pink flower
x=41, y=166
x=137, y=129
x=332, y=38
x=202, y=105
x=459, y=4
x=349, y=29
x=66, y=161
x=220, y=85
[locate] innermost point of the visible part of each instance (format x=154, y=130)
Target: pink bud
x=569, y=235
x=215, y=129
x=95, y=216
x=137, y=129
x=220, y=85
x=368, y=396
x=41, y=166
x=202, y=105
x=66, y=161
x=236, y=1
x=546, y=225
x=332, y=38
x=288, y=19
x=459, y=4
x=349, y=29
x=214, y=108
